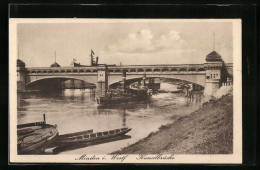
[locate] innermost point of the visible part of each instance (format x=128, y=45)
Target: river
x=75, y=111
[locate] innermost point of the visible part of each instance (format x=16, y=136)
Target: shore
x=209, y=130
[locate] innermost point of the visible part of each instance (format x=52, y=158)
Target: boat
x=31, y=137
x=65, y=137
x=122, y=96
x=83, y=137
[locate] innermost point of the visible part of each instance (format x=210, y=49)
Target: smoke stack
x=124, y=80
x=44, y=119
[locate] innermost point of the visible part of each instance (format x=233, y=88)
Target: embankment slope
x=209, y=130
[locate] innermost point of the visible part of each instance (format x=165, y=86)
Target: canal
x=74, y=110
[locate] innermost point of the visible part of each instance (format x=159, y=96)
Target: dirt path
x=209, y=130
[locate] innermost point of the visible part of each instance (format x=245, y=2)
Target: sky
x=131, y=43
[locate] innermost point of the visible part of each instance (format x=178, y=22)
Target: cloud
x=143, y=41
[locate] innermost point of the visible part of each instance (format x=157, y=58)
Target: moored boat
x=32, y=136
x=92, y=137
x=127, y=95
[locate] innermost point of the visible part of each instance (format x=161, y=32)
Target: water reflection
x=75, y=110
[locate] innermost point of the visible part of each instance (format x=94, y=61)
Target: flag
x=92, y=52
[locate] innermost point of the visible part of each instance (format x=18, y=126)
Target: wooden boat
x=83, y=137
x=32, y=136
x=65, y=137
x=130, y=94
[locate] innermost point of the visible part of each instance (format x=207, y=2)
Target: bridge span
x=209, y=75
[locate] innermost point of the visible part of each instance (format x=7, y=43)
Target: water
x=75, y=111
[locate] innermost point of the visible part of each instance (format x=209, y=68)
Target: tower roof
x=55, y=65
x=20, y=63
x=213, y=56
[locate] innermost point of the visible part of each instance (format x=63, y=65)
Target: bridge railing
x=119, y=69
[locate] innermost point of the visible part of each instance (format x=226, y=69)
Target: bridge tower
x=21, y=71
x=102, y=84
x=213, y=68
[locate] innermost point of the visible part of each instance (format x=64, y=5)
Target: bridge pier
x=21, y=72
x=72, y=85
x=102, y=84
x=82, y=85
x=144, y=79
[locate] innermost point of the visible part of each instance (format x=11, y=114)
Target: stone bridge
x=194, y=73
x=209, y=75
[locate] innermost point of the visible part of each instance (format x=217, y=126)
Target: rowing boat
x=33, y=136
x=83, y=137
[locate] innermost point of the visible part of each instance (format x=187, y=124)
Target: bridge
x=209, y=75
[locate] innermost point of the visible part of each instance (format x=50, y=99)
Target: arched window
x=81, y=71
x=118, y=71
x=94, y=71
x=62, y=71
x=50, y=71
x=164, y=70
x=201, y=69
x=192, y=69
x=132, y=70
x=148, y=70
x=174, y=69
x=39, y=71
x=68, y=71
x=44, y=71
x=56, y=71
x=157, y=70
x=140, y=70
x=88, y=71
x=183, y=69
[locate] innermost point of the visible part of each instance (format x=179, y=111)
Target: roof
x=20, y=63
x=213, y=56
x=55, y=65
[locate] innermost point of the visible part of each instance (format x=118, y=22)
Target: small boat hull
x=94, y=137
x=34, y=136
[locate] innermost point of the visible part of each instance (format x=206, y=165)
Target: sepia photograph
x=125, y=90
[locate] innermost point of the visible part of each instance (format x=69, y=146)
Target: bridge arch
x=136, y=79
x=45, y=82
x=198, y=79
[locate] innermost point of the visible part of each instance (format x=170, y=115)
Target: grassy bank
x=209, y=130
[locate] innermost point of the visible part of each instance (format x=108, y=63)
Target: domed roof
x=55, y=65
x=20, y=63
x=213, y=56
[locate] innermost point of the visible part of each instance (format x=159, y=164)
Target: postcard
x=125, y=91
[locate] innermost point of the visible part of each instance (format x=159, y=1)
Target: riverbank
x=208, y=130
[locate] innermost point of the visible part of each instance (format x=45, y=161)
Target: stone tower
x=21, y=71
x=213, y=68
x=102, y=84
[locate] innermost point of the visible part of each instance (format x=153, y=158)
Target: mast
x=214, y=41
x=92, y=58
x=55, y=57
